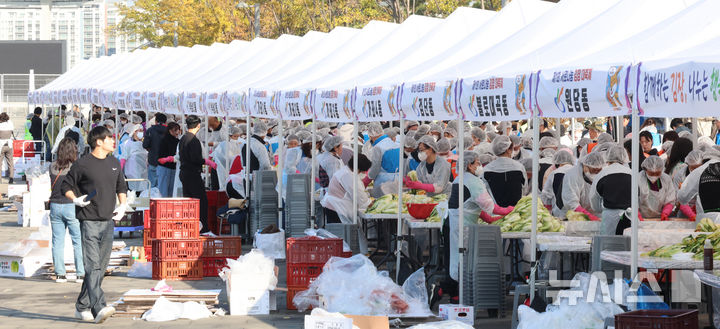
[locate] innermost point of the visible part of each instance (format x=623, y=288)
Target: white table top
x=421, y=224
x=526, y=235
x=711, y=278
x=382, y=216
x=623, y=258
x=564, y=243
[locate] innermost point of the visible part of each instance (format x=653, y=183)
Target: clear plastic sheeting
x=140, y=270
x=563, y=243
x=271, y=244
x=252, y=271
x=165, y=310
x=354, y=286
x=325, y=234
x=568, y=312
x=324, y=313
x=651, y=239
x=623, y=258
x=447, y=324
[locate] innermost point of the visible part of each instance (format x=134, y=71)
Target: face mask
x=653, y=179
x=589, y=177
x=422, y=156
x=479, y=171
x=515, y=153
x=140, y=135
x=362, y=176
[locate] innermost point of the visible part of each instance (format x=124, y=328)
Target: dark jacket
x=152, y=141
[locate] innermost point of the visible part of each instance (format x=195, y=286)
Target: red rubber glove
x=487, y=218
x=407, y=181
x=590, y=215
x=502, y=211
x=122, y=163
x=210, y=163
x=548, y=207
x=166, y=159
x=666, y=211
x=430, y=188
x=687, y=211
x=366, y=181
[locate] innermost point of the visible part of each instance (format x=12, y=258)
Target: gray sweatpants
x=97, y=240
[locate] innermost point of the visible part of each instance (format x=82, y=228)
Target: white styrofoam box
x=462, y=313
x=248, y=302
x=324, y=322
x=24, y=267
x=16, y=189
x=33, y=211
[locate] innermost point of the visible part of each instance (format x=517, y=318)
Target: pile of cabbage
x=694, y=245
x=520, y=219
x=387, y=204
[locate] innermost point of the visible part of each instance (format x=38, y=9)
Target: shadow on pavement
x=13, y=313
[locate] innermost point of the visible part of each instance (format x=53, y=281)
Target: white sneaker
x=80, y=279
x=84, y=315
x=104, y=314
x=61, y=279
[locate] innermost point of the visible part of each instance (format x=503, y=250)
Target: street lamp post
x=256, y=20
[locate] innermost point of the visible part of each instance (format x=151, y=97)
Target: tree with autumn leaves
x=208, y=21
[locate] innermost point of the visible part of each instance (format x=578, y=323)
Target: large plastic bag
x=324, y=313
x=447, y=324
x=140, y=270
x=325, y=234
x=165, y=310
x=271, y=244
x=252, y=271
x=354, y=286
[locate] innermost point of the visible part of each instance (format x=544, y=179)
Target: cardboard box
x=370, y=322
x=26, y=266
x=16, y=189
x=462, y=313
x=249, y=302
x=327, y=322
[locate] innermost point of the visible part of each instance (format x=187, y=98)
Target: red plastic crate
x=177, y=229
x=312, y=250
x=174, y=209
x=213, y=265
x=176, y=249
x=301, y=275
x=222, y=246
x=657, y=319
x=18, y=149
x=346, y=254
x=292, y=291
x=148, y=253
x=177, y=270
x=146, y=219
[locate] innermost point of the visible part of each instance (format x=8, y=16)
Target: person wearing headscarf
x=505, y=177
x=433, y=172
x=577, y=184
x=701, y=185
x=551, y=195
x=385, y=158
x=657, y=191
x=610, y=191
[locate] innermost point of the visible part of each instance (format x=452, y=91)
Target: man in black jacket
x=191, y=162
x=36, y=127
x=151, y=142
x=98, y=179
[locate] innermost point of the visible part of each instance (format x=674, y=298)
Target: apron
x=610, y=220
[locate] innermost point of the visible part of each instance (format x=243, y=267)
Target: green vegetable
x=520, y=219
x=575, y=216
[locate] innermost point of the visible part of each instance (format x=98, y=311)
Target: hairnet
x=293, y=137
x=410, y=123
x=584, y=142
x=422, y=130
x=594, y=160
x=705, y=140
x=526, y=142
x=106, y=116
x=390, y=132
x=123, y=116
x=410, y=134
x=515, y=139
x=468, y=141
x=375, y=130
x=275, y=130
x=653, y=163
x=547, y=153
x=711, y=154
x=411, y=142
x=563, y=156
x=605, y=138
x=259, y=128
x=450, y=130
x=429, y=141
x=70, y=121
x=486, y=158
x=491, y=136
x=667, y=146
x=469, y=157
x=502, y=126
x=478, y=133
x=443, y=145
x=549, y=142
x=435, y=128
x=109, y=123
x=695, y=157
x=501, y=144
x=616, y=154
x=303, y=135
x=332, y=142
x=131, y=128
x=527, y=163
x=604, y=147
x=235, y=130
x=136, y=119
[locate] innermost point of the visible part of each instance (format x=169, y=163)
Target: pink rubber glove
x=430, y=188
x=407, y=181
x=640, y=217
x=548, y=207
x=166, y=159
x=590, y=215
x=210, y=163
x=687, y=211
x=667, y=209
x=502, y=211
x=122, y=163
x=487, y=218
x=366, y=181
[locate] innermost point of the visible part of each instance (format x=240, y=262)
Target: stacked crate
x=175, y=239
x=305, y=258
x=216, y=251
x=217, y=200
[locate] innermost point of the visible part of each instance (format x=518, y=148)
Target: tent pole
x=572, y=131
x=206, y=151
x=634, y=192
x=460, y=169
x=281, y=154
x=534, y=182
x=313, y=160
x=558, y=123
x=619, y=128
x=227, y=153
x=400, y=202
x=247, y=155
x=667, y=124
x=695, y=128
x=353, y=140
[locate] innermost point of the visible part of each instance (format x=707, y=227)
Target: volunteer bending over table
x=610, y=191
x=551, y=195
x=505, y=177
x=657, y=191
x=577, y=183
x=385, y=158
x=433, y=172
x=703, y=184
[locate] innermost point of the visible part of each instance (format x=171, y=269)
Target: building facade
x=85, y=25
